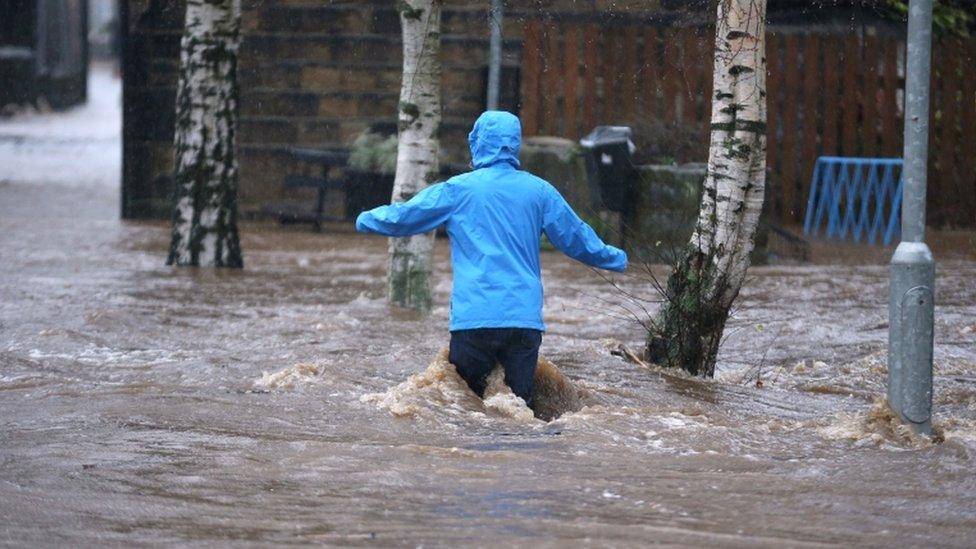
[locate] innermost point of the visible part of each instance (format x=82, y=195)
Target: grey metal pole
x=495, y=55
x=911, y=307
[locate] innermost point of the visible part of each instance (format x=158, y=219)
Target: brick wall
x=150, y=39
x=314, y=73
x=319, y=75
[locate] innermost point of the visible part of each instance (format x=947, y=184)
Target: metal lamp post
x=911, y=305
x=495, y=55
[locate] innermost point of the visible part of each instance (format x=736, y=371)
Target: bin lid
x=609, y=135
x=16, y=52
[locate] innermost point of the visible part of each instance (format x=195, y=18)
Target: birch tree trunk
x=706, y=279
x=205, y=216
x=417, y=152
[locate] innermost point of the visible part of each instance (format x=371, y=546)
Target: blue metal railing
x=860, y=197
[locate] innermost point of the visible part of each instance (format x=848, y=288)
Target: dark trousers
x=475, y=352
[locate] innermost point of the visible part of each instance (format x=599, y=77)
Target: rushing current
x=288, y=403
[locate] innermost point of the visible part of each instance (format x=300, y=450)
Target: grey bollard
x=910, y=335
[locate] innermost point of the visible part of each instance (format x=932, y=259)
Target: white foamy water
x=289, y=378
x=439, y=389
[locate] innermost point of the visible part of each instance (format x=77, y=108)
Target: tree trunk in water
x=205, y=216
x=707, y=278
x=417, y=161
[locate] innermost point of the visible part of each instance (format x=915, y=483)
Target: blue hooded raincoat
x=495, y=216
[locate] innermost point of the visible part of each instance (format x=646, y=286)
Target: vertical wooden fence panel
x=707, y=65
x=669, y=63
x=571, y=80
x=951, y=84
x=934, y=198
x=932, y=201
x=869, y=96
x=551, y=81
x=774, y=49
x=849, y=102
x=831, y=94
x=609, y=103
x=948, y=80
x=811, y=118
x=690, y=66
x=788, y=152
x=629, y=73
x=967, y=134
x=589, y=76
x=650, y=79
x=530, y=80
x=890, y=120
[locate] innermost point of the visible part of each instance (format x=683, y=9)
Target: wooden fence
x=827, y=94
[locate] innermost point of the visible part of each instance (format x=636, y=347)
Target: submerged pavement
x=287, y=403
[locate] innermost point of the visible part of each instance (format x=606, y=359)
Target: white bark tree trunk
x=707, y=278
x=417, y=152
x=205, y=216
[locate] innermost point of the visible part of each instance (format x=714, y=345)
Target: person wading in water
x=495, y=216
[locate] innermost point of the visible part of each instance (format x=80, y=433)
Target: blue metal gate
x=857, y=197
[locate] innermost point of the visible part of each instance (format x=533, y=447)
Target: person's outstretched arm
x=573, y=237
x=424, y=212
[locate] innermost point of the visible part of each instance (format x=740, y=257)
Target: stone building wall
x=316, y=73
x=150, y=44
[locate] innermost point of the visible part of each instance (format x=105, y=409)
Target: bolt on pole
x=911, y=306
x=495, y=55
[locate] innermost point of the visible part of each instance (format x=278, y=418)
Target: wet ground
x=144, y=404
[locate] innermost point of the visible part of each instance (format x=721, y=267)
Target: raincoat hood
x=495, y=138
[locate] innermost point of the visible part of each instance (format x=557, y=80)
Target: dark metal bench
x=326, y=159
x=337, y=158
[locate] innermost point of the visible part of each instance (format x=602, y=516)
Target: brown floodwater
x=287, y=403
